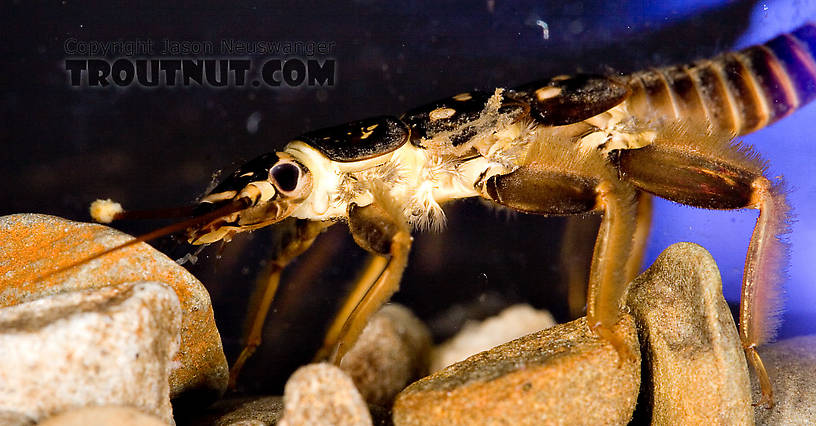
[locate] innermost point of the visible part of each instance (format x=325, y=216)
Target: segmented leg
x=306, y=233
x=706, y=170
x=760, y=304
x=607, y=276
x=559, y=179
x=382, y=232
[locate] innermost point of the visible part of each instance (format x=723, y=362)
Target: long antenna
x=232, y=207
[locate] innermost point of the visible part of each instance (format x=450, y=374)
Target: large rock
x=695, y=366
x=561, y=375
x=392, y=351
x=791, y=364
x=321, y=394
x=34, y=245
x=106, y=346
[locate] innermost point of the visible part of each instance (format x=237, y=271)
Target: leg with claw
x=760, y=305
x=702, y=169
x=305, y=235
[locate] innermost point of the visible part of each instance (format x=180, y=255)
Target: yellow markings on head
x=368, y=131
x=462, y=97
x=561, y=77
x=266, y=191
x=441, y=113
x=547, y=92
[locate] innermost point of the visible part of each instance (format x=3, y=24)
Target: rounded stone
x=562, y=375
x=242, y=411
x=693, y=359
x=35, y=245
x=321, y=394
x=104, y=346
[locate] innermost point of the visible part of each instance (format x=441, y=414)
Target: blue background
x=790, y=148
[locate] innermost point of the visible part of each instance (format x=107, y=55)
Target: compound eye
x=285, y=176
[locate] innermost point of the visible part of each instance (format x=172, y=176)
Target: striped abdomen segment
x=739, y=92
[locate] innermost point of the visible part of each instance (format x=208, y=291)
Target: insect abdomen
x=739, y=92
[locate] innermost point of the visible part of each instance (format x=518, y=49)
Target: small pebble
x=391, y=352
x=242, y=411
x=321, y=394
x=106, y=346
x=103, y=416
x=692, y=352
x=562, y=375
x=513, y=322
x=34, y=244
x=791, y=364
